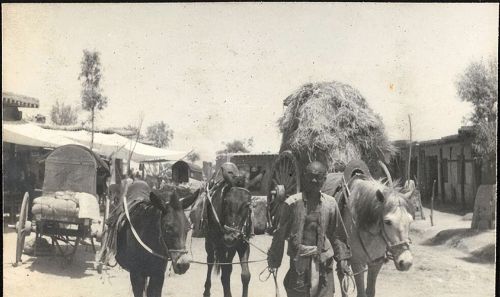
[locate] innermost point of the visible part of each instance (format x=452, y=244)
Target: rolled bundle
x=66, y=205
x=53, y=208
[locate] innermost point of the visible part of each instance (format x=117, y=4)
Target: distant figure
x=130, y=177
x=163, y=184
x=255, y=178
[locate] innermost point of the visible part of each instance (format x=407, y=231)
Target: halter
x=396, y=249
x=392, y=250
x=223, y=227
x=145, y=246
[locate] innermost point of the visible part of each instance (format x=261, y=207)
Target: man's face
x=314, y=178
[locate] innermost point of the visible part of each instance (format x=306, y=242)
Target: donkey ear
x=380, y=196
x=189, y=200
x=408, y=195
x=174, y=201
x=157, y=202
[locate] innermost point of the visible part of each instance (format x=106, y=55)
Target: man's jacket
x=332, y=239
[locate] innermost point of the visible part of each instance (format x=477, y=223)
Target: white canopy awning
x=32, y=135
x=104, y=144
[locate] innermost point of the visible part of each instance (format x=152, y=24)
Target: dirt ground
x=450, y=260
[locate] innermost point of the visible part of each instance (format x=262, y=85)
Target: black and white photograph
x=249, y=149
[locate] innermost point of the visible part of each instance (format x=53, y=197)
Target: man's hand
x=344, y=266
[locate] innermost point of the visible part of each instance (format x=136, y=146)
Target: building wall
x=442, y=160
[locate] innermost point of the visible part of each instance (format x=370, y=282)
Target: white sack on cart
x=89, y=208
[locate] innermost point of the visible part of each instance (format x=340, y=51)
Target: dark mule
x=377, y=218
x=162, y=226
x=228, y=229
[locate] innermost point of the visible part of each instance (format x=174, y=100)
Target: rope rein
x=144, y=245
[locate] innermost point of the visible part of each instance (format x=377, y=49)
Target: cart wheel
x=285, y=181
x=23, y=228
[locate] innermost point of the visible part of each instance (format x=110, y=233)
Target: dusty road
x=438, y=271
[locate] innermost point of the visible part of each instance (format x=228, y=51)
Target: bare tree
x=137, y=137
x=160, y=133
x=62, y=114
x=90, y=76
x=238, y=146
x=193, y=157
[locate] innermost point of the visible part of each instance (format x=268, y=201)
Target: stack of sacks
x=57, y=205
x=66, y=205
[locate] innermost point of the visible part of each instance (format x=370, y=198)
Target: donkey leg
x=210, y=260
x=373, y=270
x=155, y=285
x=244, y=254
x=359, y=279
x=226, y=272
x=138, y=281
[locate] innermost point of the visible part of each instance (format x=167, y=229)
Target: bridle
x=168, y=252
x=393, y=250
x=223, y=228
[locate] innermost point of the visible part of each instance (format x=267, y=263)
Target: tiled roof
x=11, y=99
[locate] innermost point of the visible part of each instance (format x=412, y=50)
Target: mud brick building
x=448, y=160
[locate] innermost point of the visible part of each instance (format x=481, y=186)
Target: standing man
x=311, y=222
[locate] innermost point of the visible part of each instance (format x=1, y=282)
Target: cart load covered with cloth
x=69, y=205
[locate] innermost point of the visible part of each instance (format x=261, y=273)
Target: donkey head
x=236, y=215
x=174, y=226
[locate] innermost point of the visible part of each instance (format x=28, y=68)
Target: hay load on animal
x=331, y=122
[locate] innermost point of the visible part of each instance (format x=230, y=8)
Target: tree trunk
x=92, y=132
x=408, y=177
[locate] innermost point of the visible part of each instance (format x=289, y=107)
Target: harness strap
x=145, y=246
x=209, y=199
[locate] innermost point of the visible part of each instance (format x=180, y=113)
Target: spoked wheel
x=69, y=249
x=285, y=181
x=23, y=228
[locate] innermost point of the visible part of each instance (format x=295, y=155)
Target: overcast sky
x=218, y=72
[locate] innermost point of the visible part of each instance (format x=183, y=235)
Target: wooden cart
x=68, y=168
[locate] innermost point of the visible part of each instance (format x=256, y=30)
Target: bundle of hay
x=332, y=122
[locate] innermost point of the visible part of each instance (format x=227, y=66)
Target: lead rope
x=348, y=284
x=274, y=272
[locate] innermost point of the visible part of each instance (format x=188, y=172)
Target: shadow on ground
x=485, y=254
x=445, y=236
x=79, y=267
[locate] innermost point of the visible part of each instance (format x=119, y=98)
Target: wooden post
x=409, y=152
x=462, y=174
x=432, y=203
